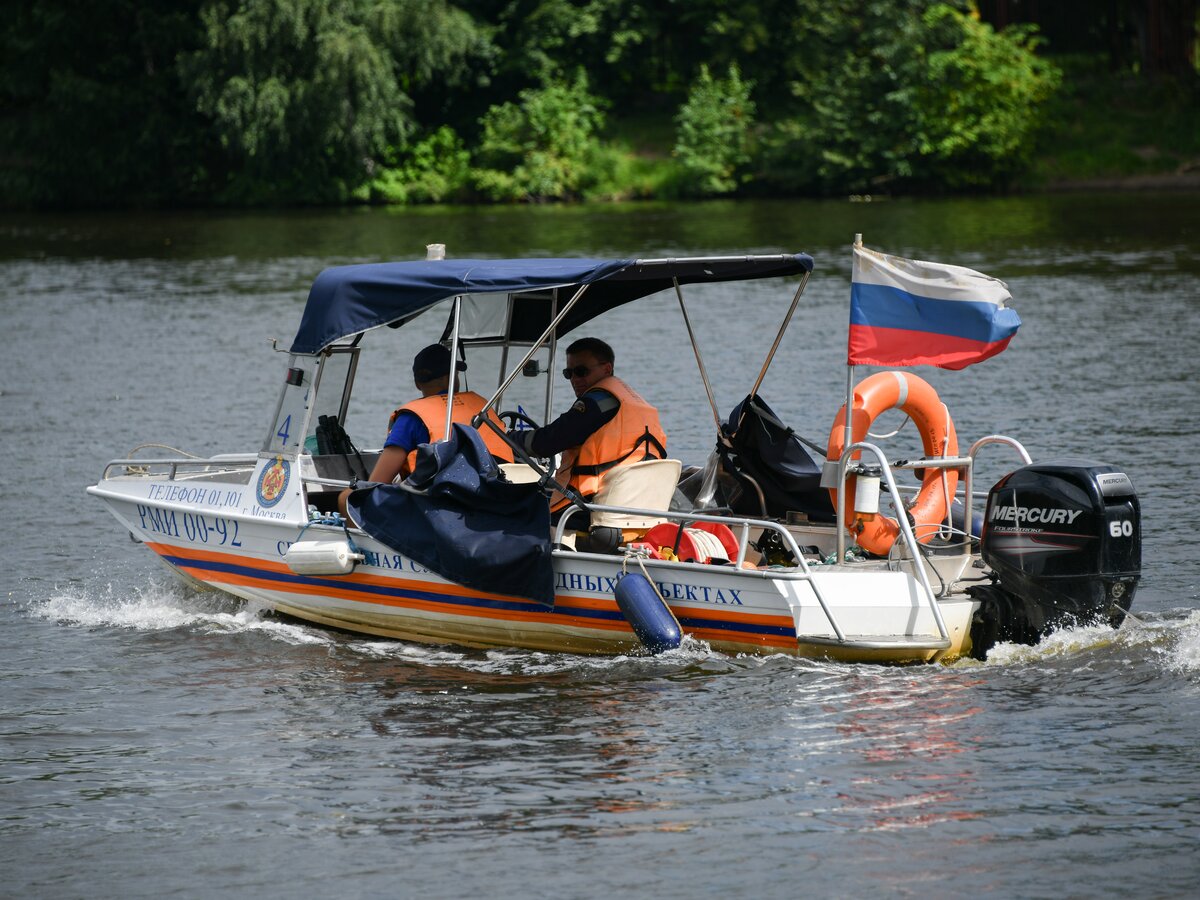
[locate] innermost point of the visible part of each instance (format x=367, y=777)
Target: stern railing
x=906, y=531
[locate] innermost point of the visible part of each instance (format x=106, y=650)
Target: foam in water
x=1183, y=655
x=166, y=606
x=1174, y=642
x=1065, y=642
x=526, y=662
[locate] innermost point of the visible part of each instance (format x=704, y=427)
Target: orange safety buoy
x=920, y=402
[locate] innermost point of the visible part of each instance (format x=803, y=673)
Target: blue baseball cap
x=434, y=362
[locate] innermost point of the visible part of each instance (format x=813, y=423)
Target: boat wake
x=1180, y=646
x=1172, y=640
x=167, y=605
x=528, y=662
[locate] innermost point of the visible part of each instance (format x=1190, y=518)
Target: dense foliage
x=93, y=107
x=304, y=95
x=979, y=105
x=909, y=93
x=539, y=148
x=119, y=102
x=714, y=135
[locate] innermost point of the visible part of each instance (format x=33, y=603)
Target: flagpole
x=848, y=439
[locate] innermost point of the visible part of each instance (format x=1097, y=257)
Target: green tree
x=642, y=55
x=430, y=170
x=306, y=96
x=905, y=93
x=542, y=147
x=539, y=40
x=980, y=104
x=713, y=133
x=92, y=109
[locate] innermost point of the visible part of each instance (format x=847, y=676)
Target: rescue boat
x=762, y=548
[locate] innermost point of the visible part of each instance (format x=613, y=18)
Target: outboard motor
x=1063, y=539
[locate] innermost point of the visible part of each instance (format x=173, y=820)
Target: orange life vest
x=632, y=435
x=467, y=404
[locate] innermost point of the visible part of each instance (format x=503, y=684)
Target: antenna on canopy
x=436, y=252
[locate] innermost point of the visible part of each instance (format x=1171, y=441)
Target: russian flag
x=904, y=312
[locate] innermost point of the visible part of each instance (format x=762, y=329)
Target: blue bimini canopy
x=348, y=300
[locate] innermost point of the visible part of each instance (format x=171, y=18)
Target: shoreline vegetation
x=1165, y=181
x=252, y=103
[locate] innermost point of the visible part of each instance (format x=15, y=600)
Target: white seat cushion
x=519, y=473
x=643, y=485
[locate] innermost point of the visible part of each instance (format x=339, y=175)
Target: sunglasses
x=576, y=371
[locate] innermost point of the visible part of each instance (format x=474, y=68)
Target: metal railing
x=742, y=528
x=226, y=463
x=972, y=453
x=967, y=490
x=906, y=531
x=907, y=534
x=801, y=571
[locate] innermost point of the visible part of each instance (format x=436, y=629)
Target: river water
x=156, y=741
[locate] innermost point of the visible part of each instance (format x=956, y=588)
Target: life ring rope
x=891, y=434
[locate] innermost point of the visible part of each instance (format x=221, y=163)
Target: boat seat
x=649, y=484
x=519, y=473
x=342, y=466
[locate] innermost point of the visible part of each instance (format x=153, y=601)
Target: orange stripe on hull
x=691, y=612
x=357, y=578
x=611, y=622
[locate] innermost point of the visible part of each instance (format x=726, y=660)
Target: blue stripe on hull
x=287, y=578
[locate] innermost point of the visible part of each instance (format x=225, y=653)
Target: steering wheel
x=511, y=417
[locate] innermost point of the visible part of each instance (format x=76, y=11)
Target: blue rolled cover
x=958, y=518
x=457, y=517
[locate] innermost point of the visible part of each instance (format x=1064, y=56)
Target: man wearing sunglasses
x=609, y=424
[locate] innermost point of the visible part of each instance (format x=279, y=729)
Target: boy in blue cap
x=423, y=421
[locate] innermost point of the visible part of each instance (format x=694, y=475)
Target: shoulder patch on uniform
x=605, y=401
x=578, y=405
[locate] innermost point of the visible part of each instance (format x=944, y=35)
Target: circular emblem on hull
x=273, y=481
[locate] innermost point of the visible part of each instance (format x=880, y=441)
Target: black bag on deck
x=332, y=440
x=762, y=448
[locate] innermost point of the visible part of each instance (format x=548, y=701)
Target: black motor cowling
x=1064, y=541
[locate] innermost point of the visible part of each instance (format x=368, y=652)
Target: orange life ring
x=917, y=398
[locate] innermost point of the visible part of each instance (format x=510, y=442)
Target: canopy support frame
x=687, y=322
x=482, y=418
x=787, y=320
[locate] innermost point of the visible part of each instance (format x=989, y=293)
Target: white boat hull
x=206, y=531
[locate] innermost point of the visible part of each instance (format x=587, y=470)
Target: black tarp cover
x=770, y=453
x=456, y=516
